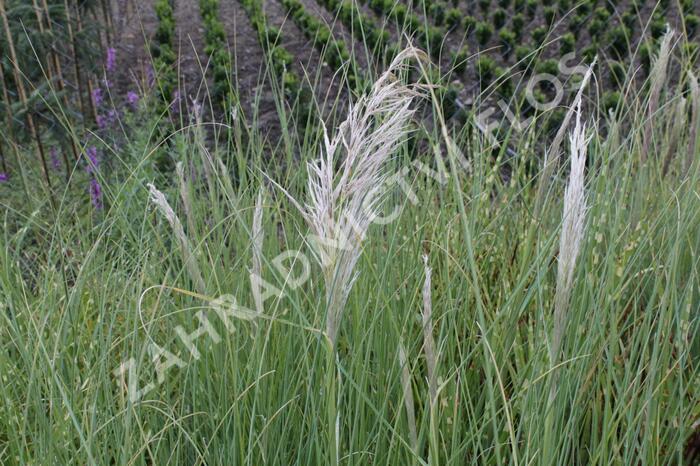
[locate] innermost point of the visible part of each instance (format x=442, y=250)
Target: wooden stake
x=23, y=96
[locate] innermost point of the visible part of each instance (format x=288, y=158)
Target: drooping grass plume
x=573, y=228
x=551, y=157
x=188, y=256
x=343, y=201
x=657, y=80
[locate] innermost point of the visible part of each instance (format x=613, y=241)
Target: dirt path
x=309, y=67
x=254, y=90
x=356, y=47
x=195, y=82
x=135, y=23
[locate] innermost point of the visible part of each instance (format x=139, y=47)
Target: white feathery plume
x=346, y=183
x=694, y=122
x=573, y=227
x=428, y=341
x=658, y=78
x=551, y=157
x=158, y=198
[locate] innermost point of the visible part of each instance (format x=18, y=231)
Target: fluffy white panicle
x=158, y=198
x=573, y=228
x=345, y=185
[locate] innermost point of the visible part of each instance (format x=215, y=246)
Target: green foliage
x=499, y=18
x=549, y=14
x=437, y=13
x=517, y=22
x=523, y=54
x=617, y=39
x=532, y=8
x=550, y=66
x=611, y=101
x=539, y=34
x=692, y=24
x=483, y=32
x=508, y=39
x=567, y=43
x=453, y=18
x=459, y=60
x=469, y=24
x=485, y=67
x=617, y=72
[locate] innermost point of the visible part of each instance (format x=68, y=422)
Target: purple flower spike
x=96, y=194
x=93, y=160
x=111, y=59
x=4, y=177
x=97, y=96
x=101, y=122
x=133, y=99
x=55, y=161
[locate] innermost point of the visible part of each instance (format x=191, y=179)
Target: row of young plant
x=216, y=48
x=360, y=24
x=334, y=51
x=429, y=36
x=163, y=54
x=269, y=37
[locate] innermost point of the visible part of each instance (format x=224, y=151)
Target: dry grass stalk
x=675, y=133
x=188, y=256
x=658, y=79
x=185, y=196
x=408, y=397
x=694, y=122
x=256, y=266
x=428, y=341
x=346, y=183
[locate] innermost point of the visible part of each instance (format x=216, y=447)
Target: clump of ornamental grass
x=345, y=189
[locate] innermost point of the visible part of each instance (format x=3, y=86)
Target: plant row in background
x=334, y=51
x=216, y=48
x=269, y=38
x=164, y=55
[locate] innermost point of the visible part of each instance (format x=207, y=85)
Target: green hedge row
x=216, y=47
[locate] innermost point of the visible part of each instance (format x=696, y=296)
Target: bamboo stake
x=76, y=63
x=79, y=28
x=23, y=96
x=11, y=135
x=60, y=80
